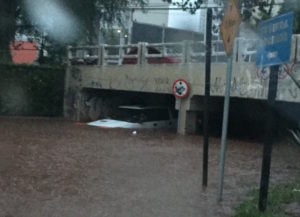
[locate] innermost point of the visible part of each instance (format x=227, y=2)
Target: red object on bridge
x=151, y=60
x=24, y=52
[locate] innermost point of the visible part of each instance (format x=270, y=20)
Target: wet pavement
x=52, y=167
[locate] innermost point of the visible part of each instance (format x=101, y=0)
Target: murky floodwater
x=50, y=167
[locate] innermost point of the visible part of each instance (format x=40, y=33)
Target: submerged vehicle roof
x=138, y=107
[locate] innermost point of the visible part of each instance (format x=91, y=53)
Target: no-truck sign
x=180, y=88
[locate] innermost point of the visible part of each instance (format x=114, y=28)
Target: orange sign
x=229, y=26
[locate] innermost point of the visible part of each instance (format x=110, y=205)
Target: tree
x=248, y=7
x=90, y=14
x=293, y=5
x=8, y=14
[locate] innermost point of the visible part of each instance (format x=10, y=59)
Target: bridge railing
x=115, y=54
x=83, y=55
x=167, y=53
x=164, y=53
x=142, y=53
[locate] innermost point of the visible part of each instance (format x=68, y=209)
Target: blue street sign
x=275, y=40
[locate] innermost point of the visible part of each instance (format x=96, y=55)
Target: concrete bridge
x=135, y=68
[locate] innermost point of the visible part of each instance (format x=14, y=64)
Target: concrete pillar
x=181, y=105
x=191, y=122
x=72, y=94
x=187, y=120
x=67, y=95
x=78, y=106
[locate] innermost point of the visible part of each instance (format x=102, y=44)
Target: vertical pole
x=225, y=125
x=186, y=51
x=206, y=98
x=67, y=84
x=103, y=55
x=78, y=105
x=144, y=52
x=267, y=151
x=120, y=54
x=69, y=54
x=163, y=35
x=130, y=27
x=140, y=58
x=99, y=55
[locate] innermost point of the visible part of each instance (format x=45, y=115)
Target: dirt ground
x=55, y=168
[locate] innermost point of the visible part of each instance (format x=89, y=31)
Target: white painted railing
x=182, y=52
x=141, y=53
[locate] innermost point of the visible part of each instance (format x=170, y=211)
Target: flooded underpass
x=52, y=167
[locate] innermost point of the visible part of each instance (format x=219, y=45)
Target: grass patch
x=279, y=196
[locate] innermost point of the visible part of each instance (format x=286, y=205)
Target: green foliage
x=8, y=13
x=57, y=53
x=91, y=15
x=251, y=10
x=293, y=5
x=187, y=5
x=279, y=196
x=31, y=90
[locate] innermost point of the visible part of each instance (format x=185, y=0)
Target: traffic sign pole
x=206, y=98
x=267, y=151
x=225, y=126
x=229, y=29
x=274, y=49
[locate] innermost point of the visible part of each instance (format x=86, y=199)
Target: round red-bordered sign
x=180, y=88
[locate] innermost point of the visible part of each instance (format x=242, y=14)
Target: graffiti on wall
x=247, y=80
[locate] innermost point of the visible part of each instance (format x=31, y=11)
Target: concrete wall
x=247, y=81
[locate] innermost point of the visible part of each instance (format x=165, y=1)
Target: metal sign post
x=267, y=151
x=206, y=98
x=274, y=49
x=225, y=126
x=229, y=29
